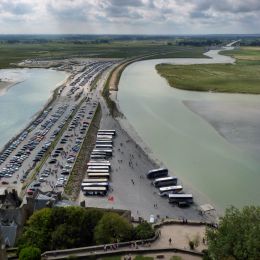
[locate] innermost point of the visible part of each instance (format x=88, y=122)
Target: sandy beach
x=5, y=86
x=240, y=126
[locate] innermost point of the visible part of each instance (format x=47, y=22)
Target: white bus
x=95, y=180
x=107, y=137
x=102, y=141
x=104, y=146
x=99, y=161
x=165, y=191
x=95, y=171
x=180, y=198
x=104, y=131
x=99, y=150
x=92, y=191
x=99, y=167
x=166, y=181
x=157, y=173
x=99, y=164
x=97, y=156
x=94, y=184
x=96, y=175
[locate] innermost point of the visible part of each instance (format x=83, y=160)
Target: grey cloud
x=125, y=2
x=227, y=5
x=15, y=8
x=69, y=12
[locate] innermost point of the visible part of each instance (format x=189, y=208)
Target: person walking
x=170, y=241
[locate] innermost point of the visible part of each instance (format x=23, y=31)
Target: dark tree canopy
x=60, y=228
x=69, y=227
x=238, y=235
x=144, y=231
x=113, y=228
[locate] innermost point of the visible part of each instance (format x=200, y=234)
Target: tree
x=60, y=228
x=30, y=253
x=113, y=228
x=238, y=235
x=37, y=230
x=144, y=231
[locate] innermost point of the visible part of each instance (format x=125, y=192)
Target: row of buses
x=168, y=187
x=99, y=167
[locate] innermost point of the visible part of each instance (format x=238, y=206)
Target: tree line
x=70, y=227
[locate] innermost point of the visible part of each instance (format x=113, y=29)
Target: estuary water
x=22, y=101
x=199, y=136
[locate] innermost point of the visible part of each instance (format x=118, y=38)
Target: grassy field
x=244, y=54
x=242, y=77
x=16, y=52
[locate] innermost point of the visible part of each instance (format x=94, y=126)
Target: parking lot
x=20, y=156
x=129, y=187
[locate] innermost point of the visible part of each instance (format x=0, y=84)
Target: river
x=192, y=134
x=22, y=101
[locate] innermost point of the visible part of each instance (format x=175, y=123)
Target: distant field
x=244, y=53
x=16, y=52
x=243, y=77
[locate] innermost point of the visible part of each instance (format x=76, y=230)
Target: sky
x=129, y=16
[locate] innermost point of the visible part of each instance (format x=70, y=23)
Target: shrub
x=144, y=231
x=191, y=244
x=113, y=228
x=30, y=253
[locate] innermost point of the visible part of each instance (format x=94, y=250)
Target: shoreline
x=48, y=102
x=5, y=86
x=200, y=198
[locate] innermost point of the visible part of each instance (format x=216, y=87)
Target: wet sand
x=238, y=123
x=5, y=86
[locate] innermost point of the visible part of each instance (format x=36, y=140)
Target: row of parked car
x=87, y=76
x=13, y=145
x=17, y=160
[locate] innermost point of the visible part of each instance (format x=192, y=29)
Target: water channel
x=20, y=103
x=190, y=131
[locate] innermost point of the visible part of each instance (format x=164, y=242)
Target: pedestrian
x=170, y=241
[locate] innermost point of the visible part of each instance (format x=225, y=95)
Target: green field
x=242, y=77
x=16, y=52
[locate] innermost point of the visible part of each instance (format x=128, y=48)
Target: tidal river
x=209, y=140
x=22, y=101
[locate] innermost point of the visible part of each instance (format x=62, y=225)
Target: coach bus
x=104, y=131
x=92, y=191
x=157, y=173
x=98, y=167
x=165, y=191
x=95, y=180
x=179, y=198
x=95, y=184
x=96, y=175
x=166, y=181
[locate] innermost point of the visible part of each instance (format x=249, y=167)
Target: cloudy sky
x=130, y=16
